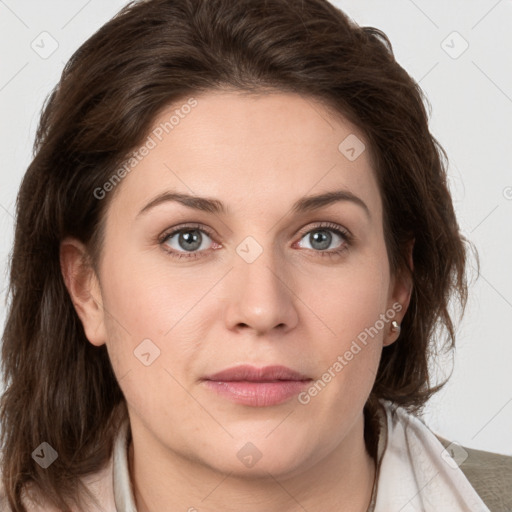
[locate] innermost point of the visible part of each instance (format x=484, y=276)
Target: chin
x=263, y=460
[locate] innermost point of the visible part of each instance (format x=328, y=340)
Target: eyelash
x=343, y=233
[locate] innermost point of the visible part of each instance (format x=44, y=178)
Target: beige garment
x=416, y=473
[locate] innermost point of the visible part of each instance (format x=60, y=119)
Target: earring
x=395, y=326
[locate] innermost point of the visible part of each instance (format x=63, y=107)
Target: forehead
x=249, y=151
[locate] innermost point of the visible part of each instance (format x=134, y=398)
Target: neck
x=345, y=476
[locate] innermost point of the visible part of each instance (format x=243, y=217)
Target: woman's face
x=252, y=280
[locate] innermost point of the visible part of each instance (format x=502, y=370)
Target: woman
x=232, y=250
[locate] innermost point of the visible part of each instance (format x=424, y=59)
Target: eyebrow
x=211, y=205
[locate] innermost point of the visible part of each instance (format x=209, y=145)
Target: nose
x=260, y=294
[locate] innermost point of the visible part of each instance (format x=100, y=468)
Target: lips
x=253, y=374
x=257, y=387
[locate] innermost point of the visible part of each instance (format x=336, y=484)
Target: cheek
x=153, y=336
x=349, y=350
x=351, y=299
x=145, y=299
x=146, y=296
x=350, y=306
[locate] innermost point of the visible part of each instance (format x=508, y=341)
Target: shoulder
x=489, y=473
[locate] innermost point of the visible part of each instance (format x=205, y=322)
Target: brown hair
x=59, y=387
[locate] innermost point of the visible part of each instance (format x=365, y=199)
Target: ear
x=400, y=295
x=84, y=289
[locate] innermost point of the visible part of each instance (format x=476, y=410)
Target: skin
x=291, y=306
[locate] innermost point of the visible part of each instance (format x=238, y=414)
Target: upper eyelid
x=304, y=231
x=184, y=227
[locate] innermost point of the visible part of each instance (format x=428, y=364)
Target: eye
x=186, y=241
x=321, y=238
x=192, y=240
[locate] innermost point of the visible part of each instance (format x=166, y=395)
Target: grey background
x=471, y=96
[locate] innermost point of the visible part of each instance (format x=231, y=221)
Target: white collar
x=413, y=474
x=416, y=473
x=123, y=493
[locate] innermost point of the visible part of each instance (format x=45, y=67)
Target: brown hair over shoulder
x=61, y=389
